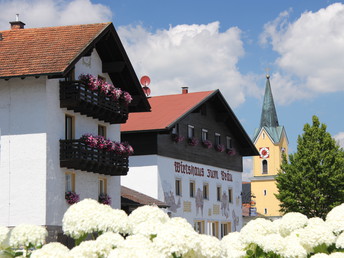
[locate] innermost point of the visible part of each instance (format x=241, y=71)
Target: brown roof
x=165, y=111
x=140, y=198
x=46, y=51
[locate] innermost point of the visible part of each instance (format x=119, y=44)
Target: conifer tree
x=312, y=180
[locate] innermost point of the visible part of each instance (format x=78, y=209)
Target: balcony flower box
x=104, y=103
x=71, y=197
x=193, y=141
x=231, y=151
x=220, y=147
x=207, y=144
x=177, y=138
x=104, y=199
x=95, y=154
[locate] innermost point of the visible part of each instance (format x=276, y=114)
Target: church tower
x=271, y=141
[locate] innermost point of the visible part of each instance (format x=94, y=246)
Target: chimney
x=185, y=90
x=16, y=25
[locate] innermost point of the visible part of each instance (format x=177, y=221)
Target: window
x=265, y=166
x=69, y=182
x=228, y=142
x=218, y=193
x=192, y=188
x=225, y=229
x=204, y=134
x=264, y=192
x=191, y=131
x=175, y=129
x=102, y=185
x=102, y=130
x=217, y=138
x=69, y=127
x=199, y=226
x=213, y=228
x=205, y=191
x=230, y=197
x=178, y=187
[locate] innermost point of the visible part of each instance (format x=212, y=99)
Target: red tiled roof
x=44, y=50
x=164, y=111
x=140, y=197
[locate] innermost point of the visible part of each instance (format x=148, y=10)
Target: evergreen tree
x=312, y=181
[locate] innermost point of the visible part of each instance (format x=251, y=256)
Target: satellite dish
x=145, y=80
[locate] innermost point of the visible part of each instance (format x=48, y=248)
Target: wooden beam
x=113, y=67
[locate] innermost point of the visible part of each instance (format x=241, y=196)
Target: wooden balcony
x=74, y=95
x=75, y=154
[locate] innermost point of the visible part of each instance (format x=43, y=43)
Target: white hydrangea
x=135, y=246
x=290, y=222
x=107, y=242
x=337, y=255
x=233, y=246
x=208, y=247
x=176, y=236
x=146, y=220
x=272, y=243
x=254, y=230
x=314, y=234
x=24, y=235
x=340, y=241
x=89, y=216
x=3, y=236
x=51, y=250
x=292, y=248
x=113, y=220
x=86, y=249
x=319, y=255
x=81, y=218
x=335, y=219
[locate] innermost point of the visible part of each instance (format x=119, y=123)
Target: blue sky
x=226, y=45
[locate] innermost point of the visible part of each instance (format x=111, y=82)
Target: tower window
x=265, y=166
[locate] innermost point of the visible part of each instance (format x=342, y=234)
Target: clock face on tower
x=264, y=152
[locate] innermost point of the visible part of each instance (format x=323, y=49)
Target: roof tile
x=164, y=111
x=48, y=50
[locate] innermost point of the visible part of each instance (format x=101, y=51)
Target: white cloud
x=339, y=139
x=197, y=56
x=311, y=50
x=45, y=13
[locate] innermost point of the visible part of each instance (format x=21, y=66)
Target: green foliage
x=312, y=180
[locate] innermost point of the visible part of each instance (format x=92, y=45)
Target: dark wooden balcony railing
x=76, y=154
x=74, y=95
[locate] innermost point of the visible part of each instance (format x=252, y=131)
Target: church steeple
x=269, y=114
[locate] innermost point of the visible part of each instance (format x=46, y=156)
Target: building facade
x=188, y=153
x=272, y=143
x=45, y=110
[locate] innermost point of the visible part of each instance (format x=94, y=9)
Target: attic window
x=191, y=131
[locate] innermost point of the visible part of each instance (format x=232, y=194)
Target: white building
x=188, y=153
x=43, y=110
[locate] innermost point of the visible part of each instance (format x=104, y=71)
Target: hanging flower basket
x=193, y=141
x=231, y=152
x=104, y=199
x=71, y=197
x=220, y=147
x=177, y=138
x=207, y=144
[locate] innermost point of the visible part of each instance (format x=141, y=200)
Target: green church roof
x=269, y=120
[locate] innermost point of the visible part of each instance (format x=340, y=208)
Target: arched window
x=265, y=166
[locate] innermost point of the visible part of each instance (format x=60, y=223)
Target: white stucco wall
x=23, y=151
x=143, y=175
x=155, y=176
x=32, y=184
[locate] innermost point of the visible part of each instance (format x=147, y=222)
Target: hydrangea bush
x=149, y=232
